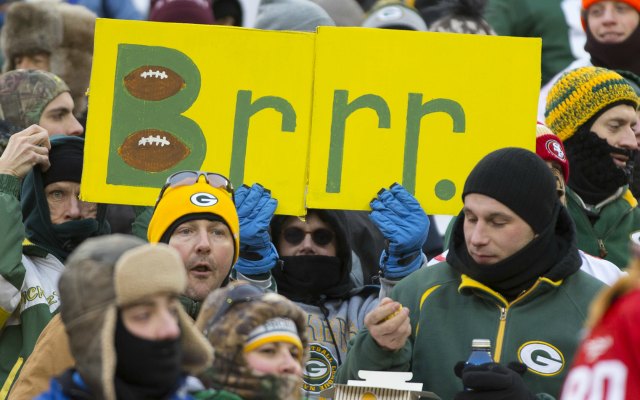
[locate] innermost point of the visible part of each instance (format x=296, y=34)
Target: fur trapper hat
x=30, y=28
x=229, y=332
x=109, y=272
x=61, y=30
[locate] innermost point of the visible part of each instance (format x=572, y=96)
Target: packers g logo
x=203, y=199
x=320, y=370
x=541, y=358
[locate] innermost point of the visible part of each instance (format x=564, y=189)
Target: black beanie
x=520, y=180
x=66, y=161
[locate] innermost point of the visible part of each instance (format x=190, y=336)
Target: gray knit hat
x=25, y=93
x=291, y=15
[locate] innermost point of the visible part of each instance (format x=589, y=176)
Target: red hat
x=185, y=11
x=550, y=148
x=588, y=3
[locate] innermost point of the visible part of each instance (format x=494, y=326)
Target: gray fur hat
x=112, y=271
x=63, y=31
x=291, y=15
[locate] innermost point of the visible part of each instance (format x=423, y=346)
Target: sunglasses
x=239, y=294
x=295, y=236
x=186, y=178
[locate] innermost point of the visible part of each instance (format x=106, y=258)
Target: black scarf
x=623, y=55
x=594, y=176
x=60, y=239
x=517, y=273
x=146, y=369
x=308, y=279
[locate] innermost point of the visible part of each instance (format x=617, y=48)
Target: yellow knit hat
x=199, y=198
x=580, y=93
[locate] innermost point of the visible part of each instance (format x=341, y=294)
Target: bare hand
x=24, y=150
x=389, y=324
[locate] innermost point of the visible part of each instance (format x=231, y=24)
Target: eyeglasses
x=186, y=178
x=295, y=236
x=239, y=294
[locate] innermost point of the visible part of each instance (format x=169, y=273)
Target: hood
x=59, y=239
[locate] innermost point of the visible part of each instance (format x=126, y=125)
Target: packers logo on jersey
x=541, y=358
x=320, y=370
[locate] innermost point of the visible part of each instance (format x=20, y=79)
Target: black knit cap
x=520, y=180
x=66, y=162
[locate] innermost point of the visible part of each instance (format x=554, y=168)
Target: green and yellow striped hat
x=579, y=94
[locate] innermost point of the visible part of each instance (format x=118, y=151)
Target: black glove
x=492, y=381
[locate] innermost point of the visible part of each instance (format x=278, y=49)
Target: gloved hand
x=255, y=208
x=492, y=381
x=405, y=225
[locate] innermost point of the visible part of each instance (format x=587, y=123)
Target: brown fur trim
x=72, y=60
x=609, y=295
x=30, y=28
x=197, y=353
x=109, y=357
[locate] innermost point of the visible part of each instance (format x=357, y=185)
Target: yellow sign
x=323, y=120
x=417, y=108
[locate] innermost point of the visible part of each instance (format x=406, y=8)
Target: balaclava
x=521, y=181
x=103, y=276
x=239, y=326
x=574, y=103
x=311, y=279
x=25, y=93
x=613, y=55
x=59, y=239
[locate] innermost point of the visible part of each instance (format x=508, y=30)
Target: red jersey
x=607, y=364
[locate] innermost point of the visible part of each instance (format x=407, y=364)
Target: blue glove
x=255, y=208
x=405, y=225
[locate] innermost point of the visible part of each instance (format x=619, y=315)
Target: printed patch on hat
x=392, y=13
x=541, y=358
x=553, y=147
x=203, y=199
x=320, y=370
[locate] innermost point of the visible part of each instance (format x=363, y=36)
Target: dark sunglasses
x=186, y=178
x=239, y=294
x=295, y=236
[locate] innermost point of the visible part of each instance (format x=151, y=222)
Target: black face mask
x=308, y=279
x=594, y=176
x=146, y=369
x=615, y=55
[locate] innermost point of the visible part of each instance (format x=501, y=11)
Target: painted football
x=152, y=150
x=153, y=82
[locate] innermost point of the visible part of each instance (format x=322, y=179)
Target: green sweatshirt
x=610, y=233
x=540, y=328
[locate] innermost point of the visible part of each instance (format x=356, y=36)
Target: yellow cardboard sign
x=168, y=97
x=323, y=120
x=417, y=108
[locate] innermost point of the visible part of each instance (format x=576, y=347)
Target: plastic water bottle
x=480, y=352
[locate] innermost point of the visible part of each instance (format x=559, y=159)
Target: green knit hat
x=580, y=93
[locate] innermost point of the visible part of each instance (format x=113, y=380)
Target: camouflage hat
x=24, y=94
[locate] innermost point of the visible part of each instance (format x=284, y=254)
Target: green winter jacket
x=448, y=310
x=608, y=238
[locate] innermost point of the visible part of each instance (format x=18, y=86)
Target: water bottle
x=480, y=352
